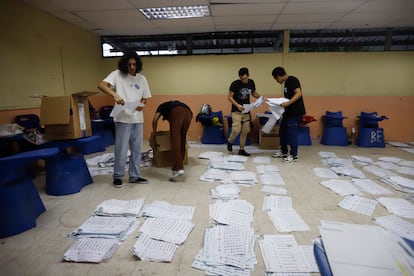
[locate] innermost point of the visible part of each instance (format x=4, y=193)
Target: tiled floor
x=39, y=251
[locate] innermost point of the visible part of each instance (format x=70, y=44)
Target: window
x=247, y=42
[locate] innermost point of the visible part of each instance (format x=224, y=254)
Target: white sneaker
x=290, y=158
x=177, y=175
x=279, y=154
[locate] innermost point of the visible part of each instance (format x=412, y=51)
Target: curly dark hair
x=123, y=62
x=278, y=72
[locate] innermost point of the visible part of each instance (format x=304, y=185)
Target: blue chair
x=370, y=134
x=67, y=172
x=237, y=140
x=334, y=133
x=20, y=203
x=212, y=134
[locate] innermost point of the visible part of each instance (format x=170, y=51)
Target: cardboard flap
x=85, y=93
x=55, y=110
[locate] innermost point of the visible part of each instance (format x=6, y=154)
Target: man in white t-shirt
x=127, y=85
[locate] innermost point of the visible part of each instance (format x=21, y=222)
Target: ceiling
x=121, y=17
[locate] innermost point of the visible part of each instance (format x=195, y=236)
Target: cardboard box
x=161, y=146
x=269, y=141
x=66, y=117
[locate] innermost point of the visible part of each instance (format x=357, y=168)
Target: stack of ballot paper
x=227, y=251
x=106, y=227
x=225, y=192
x=91, y=250
x=152, y=250
x=163, y=209
x=116, y=207
x=232, y=212
x=167, y=229
x=281, y=254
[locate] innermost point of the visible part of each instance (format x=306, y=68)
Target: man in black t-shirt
x=291, y=118
x=179, y=116
x=239, y=94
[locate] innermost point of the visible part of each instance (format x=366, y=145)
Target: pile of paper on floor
x=227, y=251
x=225, y=192
x=166, y=227
x=281, y=254
x=106, y=227
x=232, y=212
x=91, y=250
x=116, y=207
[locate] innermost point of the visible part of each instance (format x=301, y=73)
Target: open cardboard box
x=66, y=117
x=161, y=146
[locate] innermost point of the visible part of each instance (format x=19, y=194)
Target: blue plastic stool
x=67, y=172
x=304, y=136
x=334, y=136
x=213, y=135
x=89, y=145
x=371, y=137
x=20, y=203
x=369, y=134
x=102, y=129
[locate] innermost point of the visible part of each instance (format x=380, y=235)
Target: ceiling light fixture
x=175, y=12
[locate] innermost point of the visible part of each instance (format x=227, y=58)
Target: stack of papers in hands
x=275, y=108
x=91, y=250
x=257, y=103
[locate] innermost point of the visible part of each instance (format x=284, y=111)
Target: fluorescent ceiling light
x=175, y=12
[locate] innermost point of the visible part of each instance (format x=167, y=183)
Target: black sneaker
x=243, y=152
x=117, y=183
x=229, y=147
x=139, y=180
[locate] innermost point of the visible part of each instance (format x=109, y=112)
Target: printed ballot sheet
x=91, y=250
x=274, y=190
x=359, y=204
x=370, y=186
x=341, y=187
x=281, y=254
x=152, y=250
x=116, y=207
x=324, y=173
x=287, y=220
x=167, y=229
x=106, y=227
x=228, y=250
x=271, y=178
x=232, y=212
x=396, y=225
x=164, y=209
